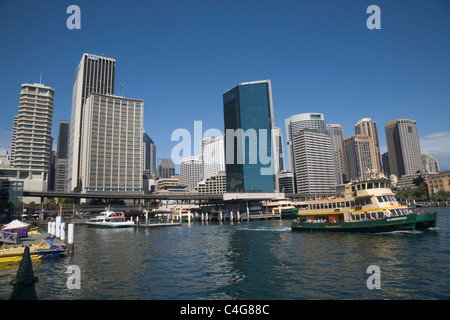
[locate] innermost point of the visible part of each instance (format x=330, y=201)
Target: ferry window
x=334, y=204
x=376, y=185
x=358, y=187
x=380, y=199
x=385, y=199
x=373, y=215
x=352, y=202
x=353, y=189
x=380, y=215
x=321, y=206
x=368, y=201
x=357, y=218
x=363, y=186
x=370, y=185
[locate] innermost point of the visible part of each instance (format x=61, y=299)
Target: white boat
x=110, y=219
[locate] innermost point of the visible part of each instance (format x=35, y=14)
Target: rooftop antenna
x=123, y=88
x=40, y=78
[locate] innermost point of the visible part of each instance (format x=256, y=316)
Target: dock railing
x=8, y=237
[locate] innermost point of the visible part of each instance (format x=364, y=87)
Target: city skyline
x=322, y=59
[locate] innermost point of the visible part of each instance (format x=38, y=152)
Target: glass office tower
x=250, y=159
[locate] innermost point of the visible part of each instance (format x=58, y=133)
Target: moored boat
x=281, y=206
x=364, y=206
x=110, y=219
x=42, y=250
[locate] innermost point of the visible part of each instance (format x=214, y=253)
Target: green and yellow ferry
x=364, y=206
x=281, y=206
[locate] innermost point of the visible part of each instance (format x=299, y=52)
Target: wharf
x=159, y=224
x=236, y=217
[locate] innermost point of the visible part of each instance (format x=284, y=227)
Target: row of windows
x=378, y=215
x=386, y=199
x=371, y=185
x=341, y=204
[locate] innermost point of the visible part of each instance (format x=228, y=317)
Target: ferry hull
x=407, y=222
x=289, y=214
x=426, y=220
x=109, y=226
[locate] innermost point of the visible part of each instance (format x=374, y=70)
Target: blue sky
x=181, y=56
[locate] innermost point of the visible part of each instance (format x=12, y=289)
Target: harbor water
x=258, y=260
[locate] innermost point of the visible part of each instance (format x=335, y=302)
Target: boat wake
x=265, y=229
x=402, y=232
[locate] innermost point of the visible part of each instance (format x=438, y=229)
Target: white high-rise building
x=32, y=141
x=95, y=74
x=112, y=144
x=314, y=174
x=298, y=122
x=191, y=172
x=213, y=156
x=310, y=155
x=429, y=163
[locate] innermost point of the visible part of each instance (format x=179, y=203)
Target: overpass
x=183, y=196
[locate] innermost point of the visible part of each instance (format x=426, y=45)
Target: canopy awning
x=16, y=224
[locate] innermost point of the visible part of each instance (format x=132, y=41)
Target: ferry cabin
x=361, y=201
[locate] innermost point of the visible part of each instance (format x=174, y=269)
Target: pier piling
x=70, y=238
x=63, y=232
x=58, y=226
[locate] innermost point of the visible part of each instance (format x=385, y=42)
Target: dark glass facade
x=248, y=107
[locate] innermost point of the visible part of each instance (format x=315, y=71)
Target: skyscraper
x=280, y=149
x=310, y=155
x=61, y=156
x=368, y=127
x=191, y=172
x=298, y=122
x=112, y=144
x=213, y=156
x=385, y=161
x=359, y=154
x=32, y=141
x=149, y=154
x=336, y=134
x=250, y=157
x=313, y=163
x=403, y=147
x=95, y=74
x=166, y=168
